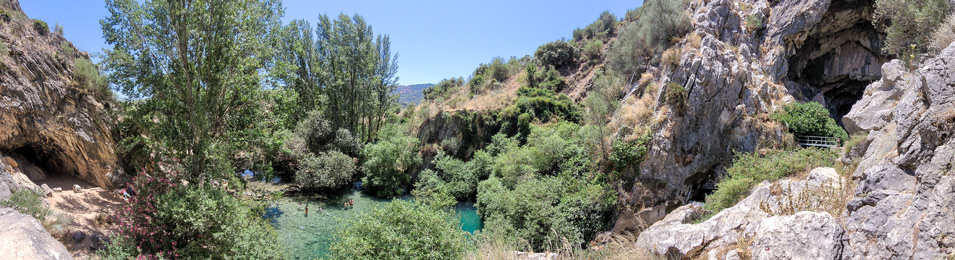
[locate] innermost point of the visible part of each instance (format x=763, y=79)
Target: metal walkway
x=818, y=141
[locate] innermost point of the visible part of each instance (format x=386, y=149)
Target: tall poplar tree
x=195, y=65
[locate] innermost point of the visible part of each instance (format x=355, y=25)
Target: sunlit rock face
x=45, y=116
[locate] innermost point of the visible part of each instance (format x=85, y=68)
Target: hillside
x=411, y=94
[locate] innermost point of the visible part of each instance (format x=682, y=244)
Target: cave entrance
x=41, y=166
x=838, y=59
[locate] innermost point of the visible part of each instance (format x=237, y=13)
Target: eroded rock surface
x=22, y=237
x=45, y=115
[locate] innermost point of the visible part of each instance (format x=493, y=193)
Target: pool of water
x=309, y=237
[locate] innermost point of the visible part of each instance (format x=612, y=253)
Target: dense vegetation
x=750, y=169
x=810, y=119
x=402, y=230
x=909, y=24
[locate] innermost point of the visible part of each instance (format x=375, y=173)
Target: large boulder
x=22, y=237
x=45, y=115
x=762, y=220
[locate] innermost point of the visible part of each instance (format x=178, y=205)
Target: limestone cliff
x=901, y=207
x=738, y=74
x=45, y=115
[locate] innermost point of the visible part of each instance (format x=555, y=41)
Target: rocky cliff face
x=815, y=50
x=901, y=207
x=45, y=115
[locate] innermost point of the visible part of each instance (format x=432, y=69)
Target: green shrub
x=600, y=29
x=809, y=119
x=165, y=219
x=58, y=29
x=41, y=27
x=31, y=203
x=498, y=70
x=909, y=23
x=443, y=89
x=388, y=163
x=625, y=157
x=545, y=79
x=315, y=134
x=652, y=31
x=455, y=177
x=557, y=53
x=676, y=95
x=328, y=170
x=754, y=23
x=544, y=211
x=592, y=51
x=88, y=76
x=749, y=169
x=401, y=230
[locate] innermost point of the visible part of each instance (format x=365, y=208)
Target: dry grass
x=671, y=57
x=694, y=40
x=944, y=35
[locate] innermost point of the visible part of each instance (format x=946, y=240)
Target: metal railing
x=818, y=141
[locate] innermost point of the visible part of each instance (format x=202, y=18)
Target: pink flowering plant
x=168, y=219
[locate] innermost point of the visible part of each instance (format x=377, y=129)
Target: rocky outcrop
x=814, y=50
x=45, y=115
x=757, y=224
x=22, y=237
x=903, y=207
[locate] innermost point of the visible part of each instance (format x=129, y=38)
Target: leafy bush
x=546, y=79
x=676, y=95
x=455, y=177
x=754, y=23
x=388, y=163
x=328, y=170
x=810, y=119
x=655, y=25
x=41, y=27
x=909, y=23
x=626, y=157
x=592, y=51
x=443, y=89
x=557, y=54
x=401, y=230
x=536, y=104
x=749, y=169
x=544, y=211
x=316, y=136
x=88, y=76
x=167, y=220
x=498, y=70
x=600, y=29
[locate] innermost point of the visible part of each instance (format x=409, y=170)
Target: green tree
x=810, y=119
x=557, y=54
x=388, y=163
x=196, y=63
x=642, y=41
x=329, y=170
x=908, y=23
x=401, y=230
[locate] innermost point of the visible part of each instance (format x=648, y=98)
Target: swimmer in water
x=306, y=210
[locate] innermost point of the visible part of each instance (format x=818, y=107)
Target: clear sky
x=434, y=39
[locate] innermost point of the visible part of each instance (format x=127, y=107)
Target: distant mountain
x=411, y=94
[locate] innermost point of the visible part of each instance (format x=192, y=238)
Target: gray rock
x=885, y=176
x=676, y=235
x=78, y=236
x=805, y=235
x=77, y=188
x=22, y=237
x=46, y=191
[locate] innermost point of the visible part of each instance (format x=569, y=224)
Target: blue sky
x=435, y=39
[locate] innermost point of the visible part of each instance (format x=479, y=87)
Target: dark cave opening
x=836, y=63
x=35, y=162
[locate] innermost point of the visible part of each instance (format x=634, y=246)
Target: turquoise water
x=309, y=237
